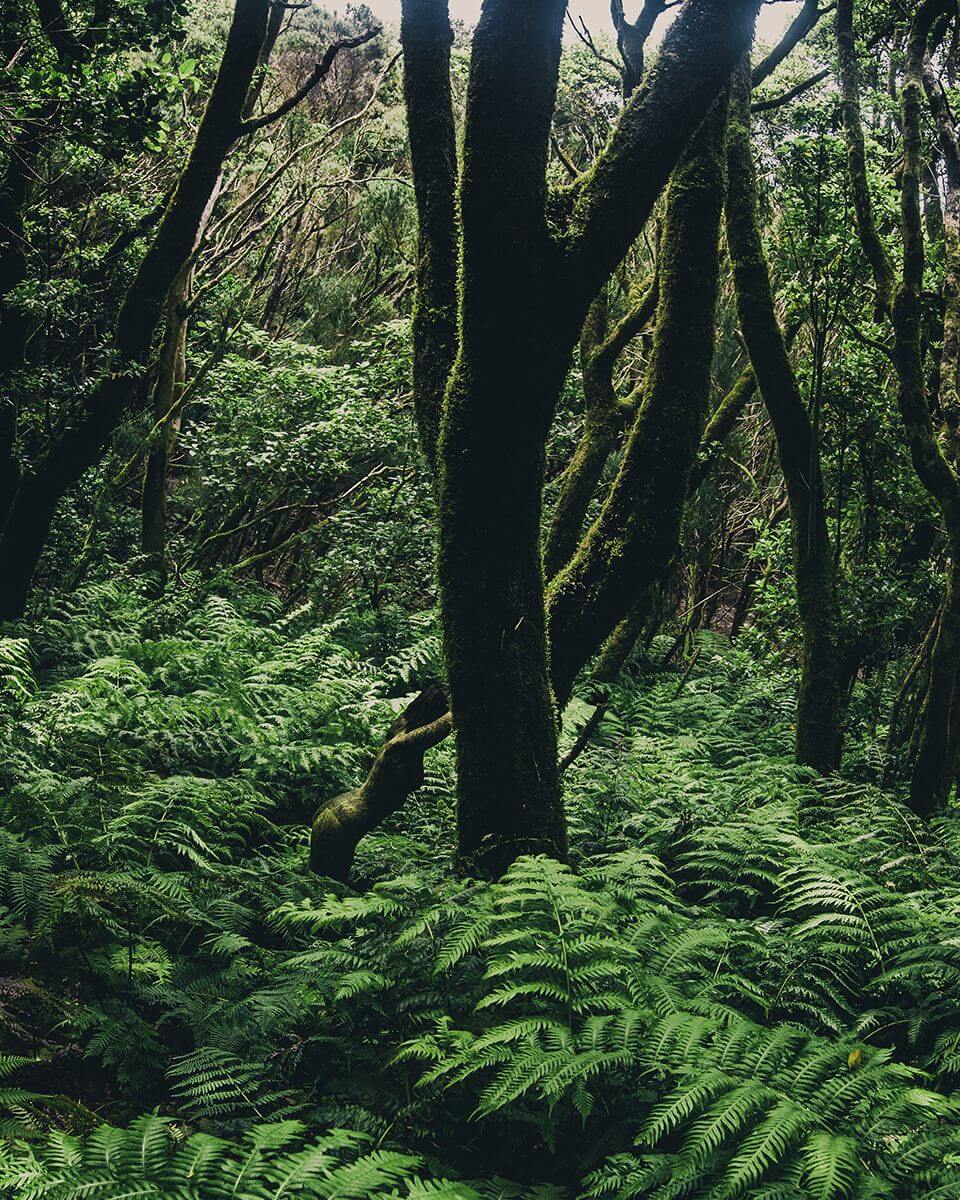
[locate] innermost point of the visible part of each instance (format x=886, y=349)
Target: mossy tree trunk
x=510, y=366
x=933, y=456
x=224, y=121
x=634, y=538
x=526, y=286
x=819, y=700
x=605, y=416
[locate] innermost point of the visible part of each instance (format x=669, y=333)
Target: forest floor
x=746, y=982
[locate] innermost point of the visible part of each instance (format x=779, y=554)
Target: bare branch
x=319, y=73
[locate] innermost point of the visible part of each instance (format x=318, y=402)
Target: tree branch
x=319, y=73
x=612, y=201
x=799, y=27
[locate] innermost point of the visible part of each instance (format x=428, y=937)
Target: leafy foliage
x=744, y=984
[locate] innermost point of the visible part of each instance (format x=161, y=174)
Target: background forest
x=479, y=600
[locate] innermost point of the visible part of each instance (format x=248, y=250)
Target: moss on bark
x=635, y=535
x=397, y=771
x=873, y=248
x=819, y=699
x=604, y=418
x=426, y=37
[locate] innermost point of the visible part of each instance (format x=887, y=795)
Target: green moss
x=819, y=699
x=632, y=542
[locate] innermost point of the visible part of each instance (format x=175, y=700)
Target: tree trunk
x=819, y=699
x=166, y=416
x=426, y=38
x=634, y=538
x=604, y=418
x=525, y=289
x=932, y=456
x=510, y=368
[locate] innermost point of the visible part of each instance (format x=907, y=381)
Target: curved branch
x=792, y=94
x=319, y=73
x=396, y=771
x=798, y=29
x=612, y=201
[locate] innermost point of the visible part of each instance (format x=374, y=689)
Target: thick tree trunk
x=510, y=367
x=634, y=538
x=819, y=700
x=525, y=290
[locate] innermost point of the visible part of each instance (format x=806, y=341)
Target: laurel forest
x=480, y=600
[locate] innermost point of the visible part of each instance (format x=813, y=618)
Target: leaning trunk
x=39, y=495
x=820, y=699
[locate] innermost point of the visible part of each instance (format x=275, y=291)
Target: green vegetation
x=744, y=977
x=479, y=614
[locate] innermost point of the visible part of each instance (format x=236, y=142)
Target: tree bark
x=426, y=37
x=819, y=700
x=634, y=538
x=931, y=455
x=604, y=418
x=631, y=39
x=510, y=367
x=873, y=247
x=396, y=772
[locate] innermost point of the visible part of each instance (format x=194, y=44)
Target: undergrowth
x=746, y=982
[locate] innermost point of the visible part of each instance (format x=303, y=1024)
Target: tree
x=820, y=699
x=530, y=265
x=26, y=523
x=509, y=368
x=931, y=451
